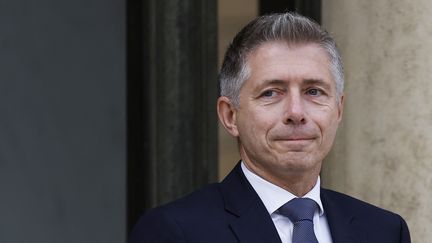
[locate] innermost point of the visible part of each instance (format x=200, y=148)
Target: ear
x=227, y=115
x=341, y=107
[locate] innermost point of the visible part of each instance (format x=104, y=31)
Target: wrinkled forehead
x=284, y=55
x=255, y=50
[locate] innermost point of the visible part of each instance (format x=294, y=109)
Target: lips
x=294, y=144
x=295, y=137
x=300, y=135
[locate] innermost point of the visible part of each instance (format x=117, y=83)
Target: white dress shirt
x=274, y=197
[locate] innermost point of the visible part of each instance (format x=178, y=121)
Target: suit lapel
x=252, y=223
x=339, y=220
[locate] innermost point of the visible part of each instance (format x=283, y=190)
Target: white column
x=383, y=152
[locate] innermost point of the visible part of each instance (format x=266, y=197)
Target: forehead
x=282, y=61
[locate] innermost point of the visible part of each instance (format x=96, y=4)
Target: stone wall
x=383, y=150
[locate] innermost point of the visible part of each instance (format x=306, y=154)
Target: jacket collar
x=339, y=218
x=252, y=223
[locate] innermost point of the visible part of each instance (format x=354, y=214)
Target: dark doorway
x=172, y=89
x=308, y=8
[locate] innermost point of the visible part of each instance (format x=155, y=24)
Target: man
x=281, y=87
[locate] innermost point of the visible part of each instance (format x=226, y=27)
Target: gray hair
x=291, y=28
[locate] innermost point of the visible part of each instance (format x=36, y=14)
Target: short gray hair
x=291, y=28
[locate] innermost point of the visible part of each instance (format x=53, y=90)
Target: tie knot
x=299, y=209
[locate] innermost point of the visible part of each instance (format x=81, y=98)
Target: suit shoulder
x=354, y=204
x=367, y=218
x=365, y=211
x=182, y=220
x=194, y=204
x=205, y=198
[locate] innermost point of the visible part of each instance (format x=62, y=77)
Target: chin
x=298, y=164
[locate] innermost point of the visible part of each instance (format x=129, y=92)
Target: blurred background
x=109, y=109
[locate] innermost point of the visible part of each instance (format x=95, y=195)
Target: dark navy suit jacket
x=232, y=212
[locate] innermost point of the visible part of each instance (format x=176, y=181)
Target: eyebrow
x=268, y=82
x=273, y=81
x=317, y=82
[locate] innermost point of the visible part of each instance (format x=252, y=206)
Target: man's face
x=288, y=113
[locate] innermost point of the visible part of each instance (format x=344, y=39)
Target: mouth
x=296, y=138
x=295, y=143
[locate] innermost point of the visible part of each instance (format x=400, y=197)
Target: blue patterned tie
x=301, y=211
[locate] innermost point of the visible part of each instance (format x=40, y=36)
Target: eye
x=314, y=92
x=268, y=93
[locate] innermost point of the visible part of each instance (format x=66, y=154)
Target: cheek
x=327, y=121
x=329, y=130
x=263, y=123
x=255, y=126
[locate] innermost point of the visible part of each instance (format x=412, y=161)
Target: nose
x=294, y=112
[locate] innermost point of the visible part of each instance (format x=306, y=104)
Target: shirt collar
x=274, y=196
